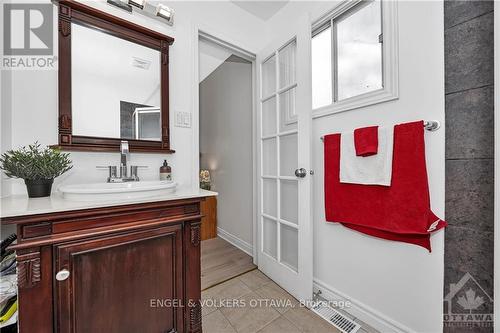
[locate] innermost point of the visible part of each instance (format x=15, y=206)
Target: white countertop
x=21, y=205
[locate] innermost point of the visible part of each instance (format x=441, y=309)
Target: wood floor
x=221, y=261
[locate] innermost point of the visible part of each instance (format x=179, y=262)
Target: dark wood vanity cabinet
x=132, y=268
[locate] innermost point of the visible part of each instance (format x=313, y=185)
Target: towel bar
x=430, y=125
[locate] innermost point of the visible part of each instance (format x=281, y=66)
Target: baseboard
x=361, y=311
x=238, y=242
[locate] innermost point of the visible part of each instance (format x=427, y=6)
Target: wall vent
x=140, y=63
x=337, y=319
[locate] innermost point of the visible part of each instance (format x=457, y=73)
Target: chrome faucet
x=124, y=160
x=125, y=155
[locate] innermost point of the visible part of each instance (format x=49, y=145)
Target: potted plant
x=38, y=167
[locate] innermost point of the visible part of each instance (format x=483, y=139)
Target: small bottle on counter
x=165, y=171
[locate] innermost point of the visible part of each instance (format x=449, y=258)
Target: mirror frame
x=70, y=12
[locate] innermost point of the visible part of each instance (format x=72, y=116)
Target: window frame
x=390, y=61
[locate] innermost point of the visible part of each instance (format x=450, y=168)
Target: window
x=351, y=64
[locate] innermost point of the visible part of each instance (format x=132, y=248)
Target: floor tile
x=282, y=301
x=247, y=318
x=255, y=279
x=207, y=306
x=216, y=323
x=280, y=325
x=309, y=322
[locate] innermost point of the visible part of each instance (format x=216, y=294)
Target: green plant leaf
x=33, y=162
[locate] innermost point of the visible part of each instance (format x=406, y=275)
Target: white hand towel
x=369, y=170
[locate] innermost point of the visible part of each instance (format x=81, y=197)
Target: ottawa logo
x=468, y=305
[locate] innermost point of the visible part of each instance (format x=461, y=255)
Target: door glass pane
x=287, y=64
x=270, y=198
x=269, y=117
x=269, y=159
x=360, y=51
x=289, y=201
x=289, y=246
x=288, y=117
x=269, y=77
x=270, y=237
x=288, y=155
x=322, y=68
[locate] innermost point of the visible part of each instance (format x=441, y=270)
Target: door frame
x=238, y=47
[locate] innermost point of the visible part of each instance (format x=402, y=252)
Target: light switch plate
x=183, y=119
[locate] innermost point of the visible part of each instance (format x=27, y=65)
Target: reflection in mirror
x=115, y=87
x=139, y=122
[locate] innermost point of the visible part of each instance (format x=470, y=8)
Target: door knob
x=62, y=275
x=300, y=173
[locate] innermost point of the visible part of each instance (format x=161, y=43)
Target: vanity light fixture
x=121, y=4
x=137, y=3
x=165, y=12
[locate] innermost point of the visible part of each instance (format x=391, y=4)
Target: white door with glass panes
x=285, y=217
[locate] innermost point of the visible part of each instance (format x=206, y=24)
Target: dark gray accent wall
x=126, y=122
x=469, y=159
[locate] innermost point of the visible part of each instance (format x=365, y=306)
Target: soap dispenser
x=165, y=171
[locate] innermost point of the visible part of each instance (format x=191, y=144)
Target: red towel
x=366, y=141
x=421, y=240
x=400, y=212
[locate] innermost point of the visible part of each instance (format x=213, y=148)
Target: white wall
x=34, y=104
x=399, y=284
x=211, y=57
x=5, y=125
x=5, y=142
x=226, y=145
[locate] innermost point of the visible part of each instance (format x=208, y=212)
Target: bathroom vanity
x=108, y=267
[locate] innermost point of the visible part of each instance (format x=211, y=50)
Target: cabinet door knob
x=62, y=275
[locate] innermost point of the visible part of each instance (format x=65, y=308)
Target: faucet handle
x=111, y=168
x=133, y=170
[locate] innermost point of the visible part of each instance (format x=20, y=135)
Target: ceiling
x=261, y=9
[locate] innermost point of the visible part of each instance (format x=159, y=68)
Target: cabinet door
x=121, y=283
x=209, y=221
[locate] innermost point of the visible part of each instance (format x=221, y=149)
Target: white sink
x=112, y=191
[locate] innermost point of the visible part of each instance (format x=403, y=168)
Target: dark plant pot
x=205, y=186
x=38, y=188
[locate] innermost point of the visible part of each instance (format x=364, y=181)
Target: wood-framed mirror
x=113, y=82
